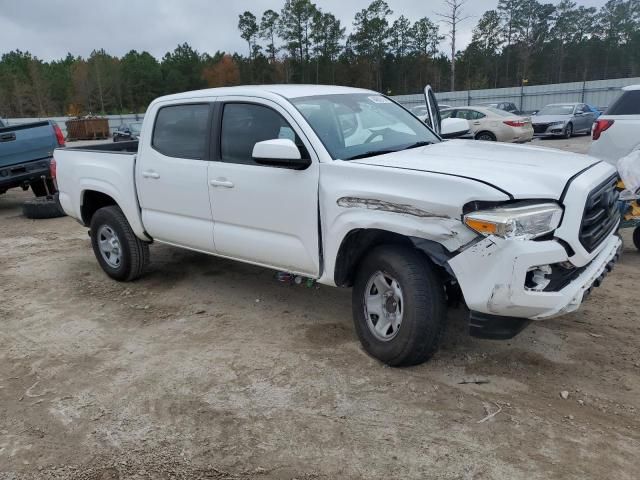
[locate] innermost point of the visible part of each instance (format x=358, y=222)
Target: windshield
x=135, y=127
x=362, y=125
x=557, y=110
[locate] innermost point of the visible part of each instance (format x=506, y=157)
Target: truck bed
x=107, y=168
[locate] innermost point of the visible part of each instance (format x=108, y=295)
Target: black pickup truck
x=26, y=151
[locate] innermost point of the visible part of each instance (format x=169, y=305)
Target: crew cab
x=346, y=187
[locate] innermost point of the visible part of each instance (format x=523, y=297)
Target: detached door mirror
x=433, y=112
x=454, y=127
x=279, y=152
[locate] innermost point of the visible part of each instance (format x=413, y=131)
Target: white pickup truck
x=347, y=187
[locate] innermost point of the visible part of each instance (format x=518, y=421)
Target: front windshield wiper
x=417, y=144
x=371, y=153
x=374, y=153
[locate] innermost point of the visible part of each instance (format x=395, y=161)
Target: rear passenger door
x=262, y=214
x=171, y=176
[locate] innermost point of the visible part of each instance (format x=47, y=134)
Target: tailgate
x=25, y=143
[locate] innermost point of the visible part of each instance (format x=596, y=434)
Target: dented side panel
x=415, y=204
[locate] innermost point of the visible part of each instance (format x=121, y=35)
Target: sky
x=49, y=29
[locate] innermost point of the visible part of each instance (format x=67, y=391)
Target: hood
x=525, y=172
x=549, y=118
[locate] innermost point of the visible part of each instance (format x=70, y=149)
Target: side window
x=446, y=114
x=627, y=104
x=182, y=131
x=470, y=114
x=245, y=124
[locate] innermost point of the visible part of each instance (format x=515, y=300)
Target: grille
x=601, y=214
x=540, y=127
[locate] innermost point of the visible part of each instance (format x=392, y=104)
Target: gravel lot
x=211, y=369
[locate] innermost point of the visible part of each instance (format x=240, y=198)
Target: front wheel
x=399, y=307
x=636, y=237
x=121, y=254
x=568, y=132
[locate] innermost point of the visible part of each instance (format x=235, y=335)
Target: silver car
x=563, y=120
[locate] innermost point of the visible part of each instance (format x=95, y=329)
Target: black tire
x=42, y=207
x=133, y=252
x=39, y=190
x=486, y=136
x=636, y=237
x=568, y=131
x=423, y=311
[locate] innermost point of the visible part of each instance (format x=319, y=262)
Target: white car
x=491, y=124
x=616, y=132
x=346, y=187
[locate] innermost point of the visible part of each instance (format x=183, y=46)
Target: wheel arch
x=94, y=197
x=92, y=201
x=488, y=132
x=359, y=241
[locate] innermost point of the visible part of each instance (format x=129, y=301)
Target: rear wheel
x=486, y=136
x=399, y=307
x=636, y=237
x=121, y=254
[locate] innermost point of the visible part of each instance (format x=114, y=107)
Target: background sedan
x=563, y=120
x=492, y=124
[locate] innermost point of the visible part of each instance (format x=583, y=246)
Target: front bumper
x=493, y=274
x=550, y=131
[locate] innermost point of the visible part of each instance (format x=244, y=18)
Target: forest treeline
x=518, y=41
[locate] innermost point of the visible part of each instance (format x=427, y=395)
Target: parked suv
x=616, y=133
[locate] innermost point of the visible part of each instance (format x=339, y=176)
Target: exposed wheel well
x=93, y=201
x=357, y=243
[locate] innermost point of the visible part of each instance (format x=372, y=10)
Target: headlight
x=516, y=220
x=561, y=122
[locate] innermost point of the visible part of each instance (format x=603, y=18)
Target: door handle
x=476, y=123
x=221, y=182
x=150, y=174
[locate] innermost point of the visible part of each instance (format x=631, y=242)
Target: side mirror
x=454, y=127
x=433, y=112
x=279, y=152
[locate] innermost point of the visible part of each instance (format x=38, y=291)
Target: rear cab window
x=627, y=104
x=182, y=131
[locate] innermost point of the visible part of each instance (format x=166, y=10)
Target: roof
x=285, y=90
x=629, y=88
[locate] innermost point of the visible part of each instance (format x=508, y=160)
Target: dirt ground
x=207, y=368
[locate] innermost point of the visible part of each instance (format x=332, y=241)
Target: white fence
x=599, y=93
x=114, y=120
